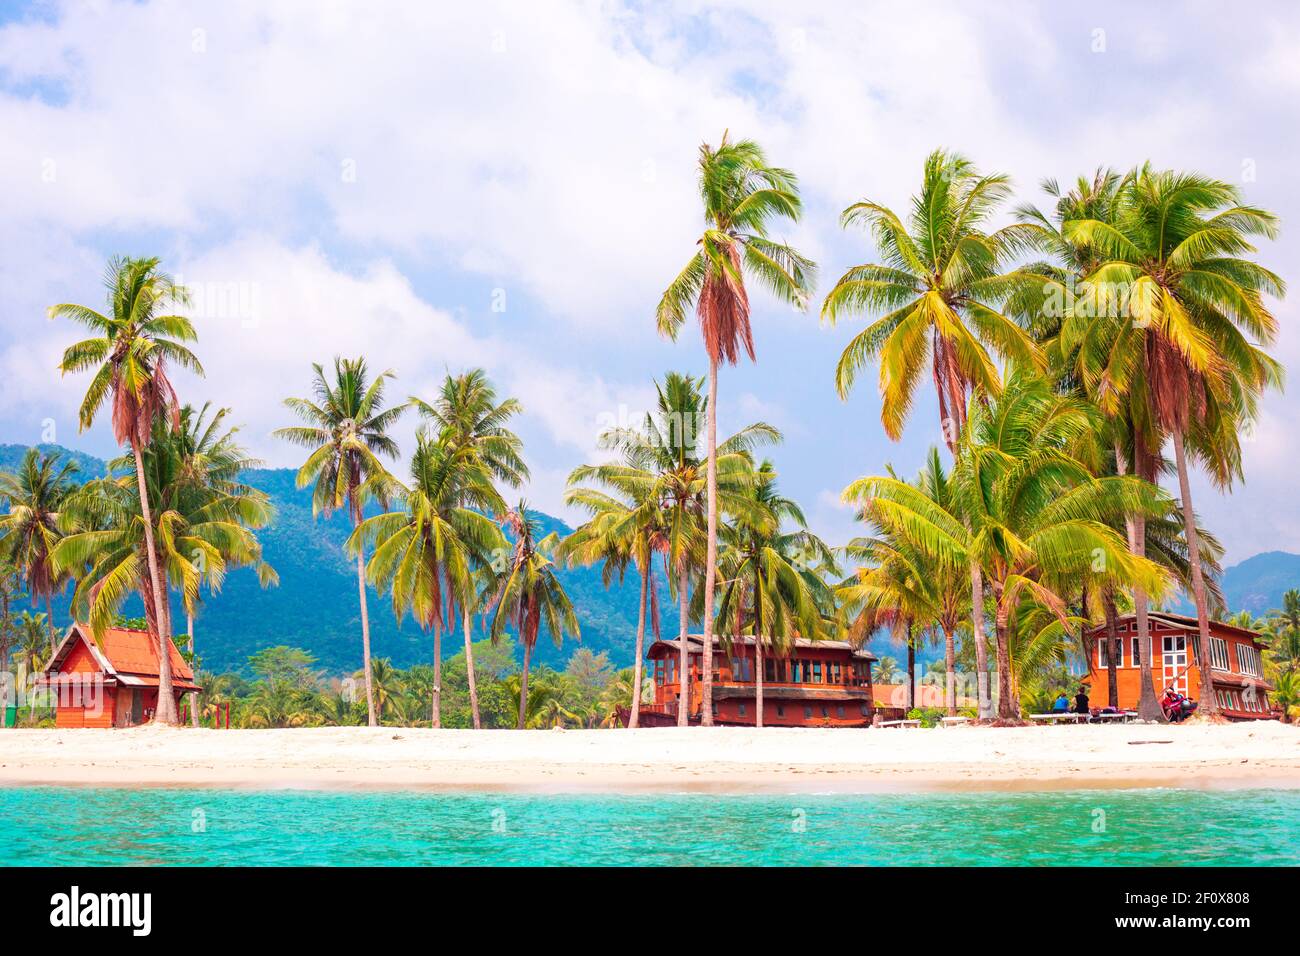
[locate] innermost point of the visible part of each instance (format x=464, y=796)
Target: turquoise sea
x=53, y=825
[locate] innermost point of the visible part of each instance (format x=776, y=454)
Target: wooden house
x=112, y=682
x=817, y=684
x=1236, y=665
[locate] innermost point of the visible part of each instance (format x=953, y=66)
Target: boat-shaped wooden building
x=816, y=684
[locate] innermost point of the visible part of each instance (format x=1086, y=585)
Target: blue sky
x=336, y=178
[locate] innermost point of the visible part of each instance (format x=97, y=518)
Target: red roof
x=135, y=652
x=126, y=651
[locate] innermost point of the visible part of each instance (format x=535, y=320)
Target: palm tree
x=30, y=531
x=938, y=289
x=1286, y=694
x=1025, y=510
x=937, y=294
x=1284, y=647
x=206, y=466
x=204, y=526
x=467, y=414
x=743, y=196
x=33, y=647
x=129, y=352
x=661, y=473
x=424, y=552
x=528, y=594
x=624, y=530
x=900, y=585
x=346, y=430
x=1165, y=333
x=772, y=584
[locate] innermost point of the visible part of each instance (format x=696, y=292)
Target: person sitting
x=1062, y=704
x=1081, y=702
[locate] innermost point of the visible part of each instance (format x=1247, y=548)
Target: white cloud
x=337, y=162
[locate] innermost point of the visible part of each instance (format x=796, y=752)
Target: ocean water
x=42, y=826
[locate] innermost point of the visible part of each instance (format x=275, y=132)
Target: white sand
x=1261, y=754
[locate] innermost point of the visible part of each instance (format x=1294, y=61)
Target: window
x=1135, y=654
x=780, y=710
x=1219, y=654
x=796, y=671
x=1248, y=659
x=816, y=672
x=741, y=709
x=864, y=710
x=769, y=669
x=1103, y=653
x=839, y=711
x=807, y=711
x=825, y=711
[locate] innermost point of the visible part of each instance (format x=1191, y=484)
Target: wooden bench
x=1057, y=717
x=900, y=723
x=953, y=721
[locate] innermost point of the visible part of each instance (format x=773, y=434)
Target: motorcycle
x=1177, y=707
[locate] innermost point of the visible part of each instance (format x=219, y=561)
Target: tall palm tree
x=772, y=576
x=661, y=472
x=467, y=414
x=424, y=553
x=129, y=351
x=528, y=594
x=743, y=196
x=346, y=431
x=938, y=294
x=1172, y=333
x=30, y=530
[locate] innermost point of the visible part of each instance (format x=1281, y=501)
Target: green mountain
x=1257, y=584
x=315, y=606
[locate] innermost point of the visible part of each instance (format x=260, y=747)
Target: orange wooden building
x=1236, y=665
x=818, y=684
x=112, y=682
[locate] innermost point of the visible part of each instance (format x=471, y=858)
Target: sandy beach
x=1264, y=754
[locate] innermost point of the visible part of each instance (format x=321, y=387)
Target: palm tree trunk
x=758, y=650
x=950, y=678
x=469, y=672
x=49, y=619
x=165, y=712
x=981, y=645
x=634, y=717
x=523, y=685
x=911, y=670
x=436, y=717
x=1136, y=528
x=1112, y=647
x=371, y=717
x=684, y=667
x=1007, y=706
x=1207, y=705
x=711, y=552
x=194, y=695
